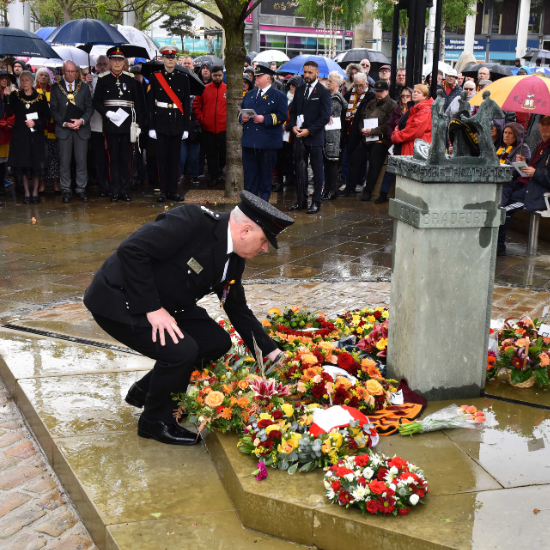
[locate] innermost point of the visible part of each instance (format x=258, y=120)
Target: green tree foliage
x=180, y=25
x=318, y=12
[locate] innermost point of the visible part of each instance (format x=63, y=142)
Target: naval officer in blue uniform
x=263, y=133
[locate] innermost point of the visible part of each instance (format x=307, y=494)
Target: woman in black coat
x=28, y=142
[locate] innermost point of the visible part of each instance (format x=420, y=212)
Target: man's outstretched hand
x=162, y=321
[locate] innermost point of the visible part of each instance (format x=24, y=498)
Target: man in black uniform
x=117, y=91
x=169, y=116
x=152, y=284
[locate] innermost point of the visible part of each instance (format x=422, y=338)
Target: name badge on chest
x=194, y=265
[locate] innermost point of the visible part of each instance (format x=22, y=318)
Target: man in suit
x=117, y=91
x=309, y=114
x=263, y=133
x=152, y=283
x=527, y=191
x=169, y=116
x=71, y=108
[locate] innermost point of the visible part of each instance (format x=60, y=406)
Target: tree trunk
x=234, y=61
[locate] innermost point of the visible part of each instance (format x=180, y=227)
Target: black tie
x=306, y=95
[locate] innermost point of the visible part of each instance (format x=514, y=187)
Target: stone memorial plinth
x=445, y=236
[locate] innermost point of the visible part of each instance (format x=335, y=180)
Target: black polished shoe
x=114, y=198
x=329, y=196
x=26, y=200
x=314, y=208
x=277, y=188
x=161, y=198
x=174, y=197
x=365, y=196
x=66, y=196
x=170, y=434
x=82, y=197
x=195, y=181
x=346, y=193
x=125, y=197
x=382, y=198
x=104, y=194
x=297, y=206
x=135, y=396
x=35, y=199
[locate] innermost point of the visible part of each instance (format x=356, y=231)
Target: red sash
x=166, y=87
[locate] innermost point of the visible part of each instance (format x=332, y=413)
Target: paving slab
x=500, y=388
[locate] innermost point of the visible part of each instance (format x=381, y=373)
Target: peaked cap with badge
x=263, y=68
x=172, y=263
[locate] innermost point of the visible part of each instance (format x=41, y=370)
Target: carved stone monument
x=447, y=213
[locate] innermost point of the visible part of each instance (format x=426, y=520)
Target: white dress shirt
x=229, y=250
x=262, y=92
x=311, y=86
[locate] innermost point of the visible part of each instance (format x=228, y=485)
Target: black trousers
x=512, y=192
x=100, y=160
x=119, y=150
x=258, y=175
x=168, y=159
x=215, y=150
x=204, y=341
x=331, y=174
x=376, y=155
x=315, y=155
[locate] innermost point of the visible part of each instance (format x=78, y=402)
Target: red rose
x=345, y=360
x=377, y=314
x=399, y=463
x=268, y=443
x=341, y=471
x=382, y=473
x=319, y=357
x=335, y=485
x=372, y=506
x=277, y=415
x=420, y=494
x=407, y=475
x=377, y=487
x=264, y=424
x=361, y=460
x=275, y=434
x=318, y=391
x=403, y=511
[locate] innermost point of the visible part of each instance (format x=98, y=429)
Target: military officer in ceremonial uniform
x=118, y=90
x=169, y=118
x=263, y=133
x=152, y=284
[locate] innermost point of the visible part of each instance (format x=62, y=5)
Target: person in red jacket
x=211, y=112
x=419, y=122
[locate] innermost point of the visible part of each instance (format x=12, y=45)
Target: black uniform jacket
x=168, y=121
x=539, y=184
x=124, y=88
x=157, y=267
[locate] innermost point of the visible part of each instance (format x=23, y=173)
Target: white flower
x=349, y=477
x=414, y=499
x=206, y=383
x=360, y=493
x=394, y=470
x=201, y=418
x=330, y=494
x=368, y=473
x=392, y=487
x=327, y=485
x=257, y=442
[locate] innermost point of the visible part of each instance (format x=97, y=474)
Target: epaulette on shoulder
x=129, y=74
x=104, y=74
x=214, y=215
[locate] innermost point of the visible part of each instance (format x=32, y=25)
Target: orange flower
x=295, y=308
x=520, y=331
x=491, y=362
x=242, y=384
x=374, y=387
x=233, y=401
x=227, y=389
x=546, y=339
x=343, y=382
x=544, y=359
x=266, y=323
x=226, y=413
x=367, y=363
x=195, y=375
x=523, y=342
x=275, y=311
x=308, y=359
x=362, y=393
x=214, y=399
x=310, y=373
x=242, y=402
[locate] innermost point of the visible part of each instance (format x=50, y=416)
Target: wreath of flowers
x=281, y=439
x=522, y=351
x=360, y=322
x=376, y=484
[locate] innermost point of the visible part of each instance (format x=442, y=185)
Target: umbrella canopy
x=196, y=87
x=271, y=55
x=45, y=62
x=212, y=59
x=86, y=31
x=296, y=65
x=534, y=54
x=70, y=53
x=355, y=55
x=497, y=71
x=24, y=43
x=128, y=49
x=540, y=70
x=427, y=69
x=525, y=94
x=44, y=32
x=135, y=37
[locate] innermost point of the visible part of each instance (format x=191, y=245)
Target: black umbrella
x=212, y=59
x=24, y=43
x=355, y=55
x=87, y=31
x=196, y=87
x=534, y=54
x=496, y=71
x=129, y=50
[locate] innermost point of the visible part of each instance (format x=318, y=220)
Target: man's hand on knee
x=162, y=321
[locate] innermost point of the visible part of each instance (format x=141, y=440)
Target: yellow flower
x=374, y=387
x=273, y=427
x=265, y=416
x=287, y=409
x=314, y=406
x=275, y=311
x=385, y=314
x=382, y=344
x=337, y=437
x=326, y=447
x=309, y=359
x=359, y=330
x=371, y=318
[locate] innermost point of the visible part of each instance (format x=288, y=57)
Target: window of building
x=535, y=16
x=272, y=41
x=498, y=12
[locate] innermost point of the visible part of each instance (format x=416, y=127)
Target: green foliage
x=179, y=24
x=349, y=12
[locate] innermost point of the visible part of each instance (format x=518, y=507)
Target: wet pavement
x=136, y=494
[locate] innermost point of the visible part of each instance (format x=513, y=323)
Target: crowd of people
x=327, y=137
